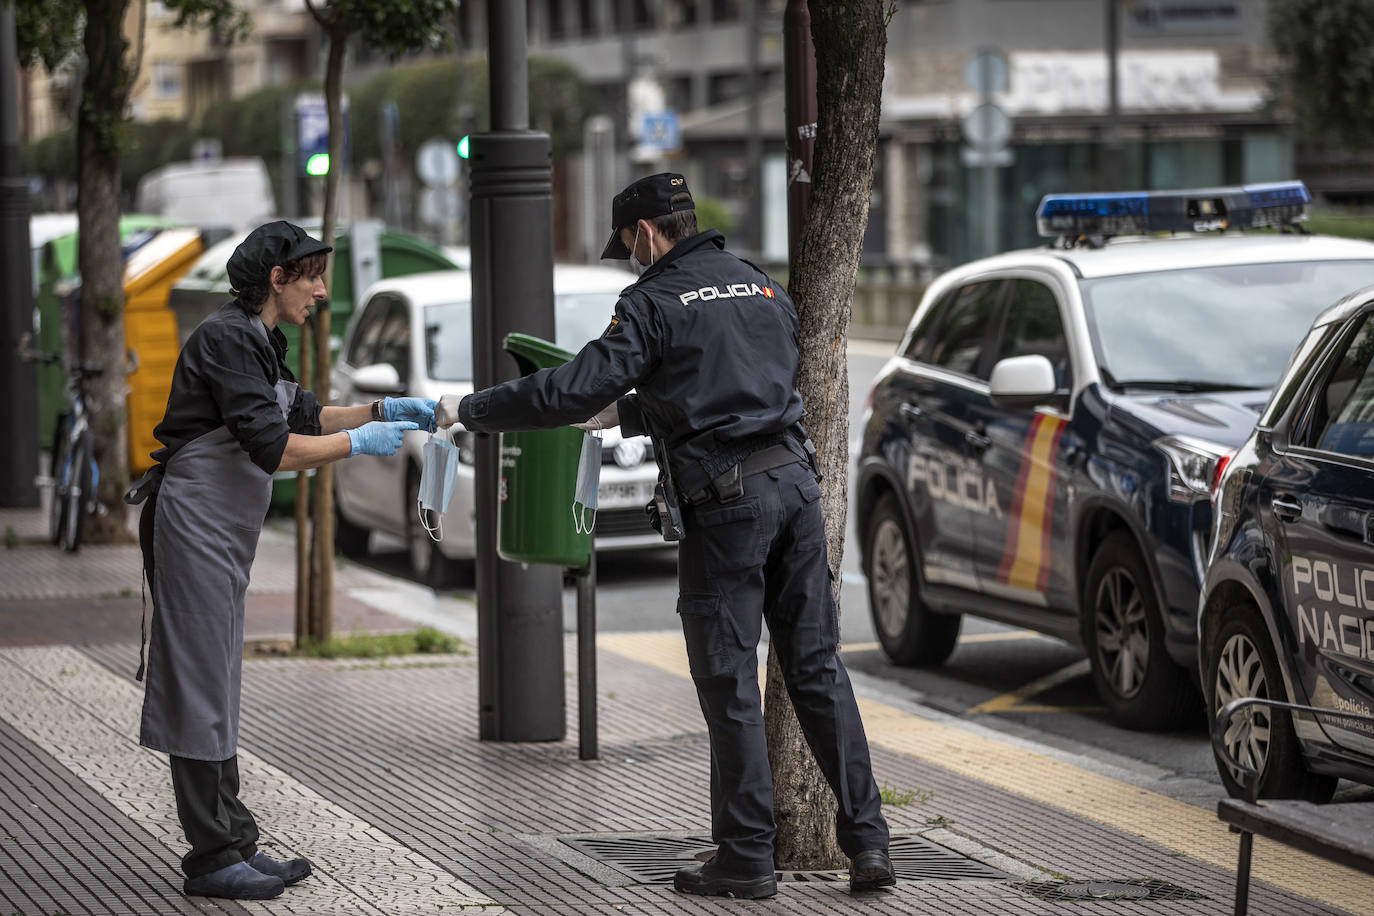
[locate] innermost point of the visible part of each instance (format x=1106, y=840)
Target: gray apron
x=208, y=517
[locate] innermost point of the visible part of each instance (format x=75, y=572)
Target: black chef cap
x=270, y=245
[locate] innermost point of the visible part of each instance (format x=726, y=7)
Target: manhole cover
x=1134, y=889
x=653, y=858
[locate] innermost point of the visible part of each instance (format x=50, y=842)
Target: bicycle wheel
x=58, y=469
x=79, y=494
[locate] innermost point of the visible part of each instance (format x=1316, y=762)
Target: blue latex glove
x=417, y=410
x=377, y=438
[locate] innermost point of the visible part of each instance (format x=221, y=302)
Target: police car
x=1040, y=448
x=1287, y=608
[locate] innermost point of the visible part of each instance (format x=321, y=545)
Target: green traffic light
x=463, y=148
x=317, y=164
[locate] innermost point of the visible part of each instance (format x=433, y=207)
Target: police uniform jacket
x=708, y=342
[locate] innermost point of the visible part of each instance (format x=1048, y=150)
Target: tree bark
x=105, y=93
x=322, y=529
x=850, y=39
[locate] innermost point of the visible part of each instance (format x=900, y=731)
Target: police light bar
x=1136, y=212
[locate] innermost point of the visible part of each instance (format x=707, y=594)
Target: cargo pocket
x=709, y=631
x=730, y=535
x=810, y=521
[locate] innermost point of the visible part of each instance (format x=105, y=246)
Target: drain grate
x=653, y=858
x=1130, y=890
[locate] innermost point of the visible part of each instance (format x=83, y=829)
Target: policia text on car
x=709, y=345
x=235, y=415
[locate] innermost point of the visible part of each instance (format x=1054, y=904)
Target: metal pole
x=519, y=608
x=799, y=68
x=1113, y=155
x=991, y=216
x=753, y=238
x=19, y=457
x=586, y=660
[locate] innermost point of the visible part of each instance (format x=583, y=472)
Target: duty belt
x=729, y=485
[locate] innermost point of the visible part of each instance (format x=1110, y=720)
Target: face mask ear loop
x=436, y=534
x=580, y=523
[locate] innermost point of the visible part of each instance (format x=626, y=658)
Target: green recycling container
x=539, y=477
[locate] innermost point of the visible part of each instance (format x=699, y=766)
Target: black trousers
x=763, y=557
x=219, y=828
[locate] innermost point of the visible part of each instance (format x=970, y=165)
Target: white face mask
x=588, y=478
x=639, y=265
x=437, y=474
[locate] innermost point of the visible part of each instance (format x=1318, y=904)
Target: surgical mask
x=437, y=474
x=639, y=265
x=588, y=477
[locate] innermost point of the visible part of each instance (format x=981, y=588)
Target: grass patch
x=899, y=799
x=424, y=641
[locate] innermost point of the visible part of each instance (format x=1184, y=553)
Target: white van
x=230, y=193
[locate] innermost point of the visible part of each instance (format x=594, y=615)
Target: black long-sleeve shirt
x=709, y=344
x=226, y=375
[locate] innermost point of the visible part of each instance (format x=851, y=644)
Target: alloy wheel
x=1123, y=638
x=1240, y=673
x=890, y=577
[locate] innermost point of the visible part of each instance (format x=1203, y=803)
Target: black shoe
x=709, y=881
x=239, y=881
x=870, y=870
x=290, y=871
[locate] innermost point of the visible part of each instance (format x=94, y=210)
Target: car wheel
x=1123, y=632
x=350, y=539
x=910, y=633
x=427, y=561
x=1241, y=663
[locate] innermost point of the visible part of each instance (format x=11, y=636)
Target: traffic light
x=463, y=147
x=317, y=164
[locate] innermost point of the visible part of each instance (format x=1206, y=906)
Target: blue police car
x=1287, y=607
x=1039, y=450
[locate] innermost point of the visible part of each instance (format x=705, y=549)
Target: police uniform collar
x=711, y=236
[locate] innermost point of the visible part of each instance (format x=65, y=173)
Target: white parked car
x=413, y=335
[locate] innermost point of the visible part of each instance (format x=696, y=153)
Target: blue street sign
x=660, y=131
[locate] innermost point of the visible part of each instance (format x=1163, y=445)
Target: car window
x=1034, y=327
x=922, y=339
x=393, y=339
x=363, y=346
x=580, y=317
x=448, y=341
x=1345, y=406
x=963, y=333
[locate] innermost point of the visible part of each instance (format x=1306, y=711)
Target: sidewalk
x=373, y=770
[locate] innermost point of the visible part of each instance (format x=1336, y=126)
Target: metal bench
x=1341, y=833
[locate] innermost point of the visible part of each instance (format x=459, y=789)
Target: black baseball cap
x=647, y=198
x=270, y=245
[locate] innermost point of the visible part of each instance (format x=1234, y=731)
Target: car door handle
x=1286, y=508
x=912, y=412
x=977, y=440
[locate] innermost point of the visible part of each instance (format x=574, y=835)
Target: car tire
x=1123, y=632
x=1241, y=662
x=427, y=561
x=911, y=634
x=350, y=539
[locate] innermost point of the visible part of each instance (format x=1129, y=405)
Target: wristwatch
x=377, y=410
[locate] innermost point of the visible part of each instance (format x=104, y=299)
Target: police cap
x=647, y=198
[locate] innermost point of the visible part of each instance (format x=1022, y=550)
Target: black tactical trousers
x=763, y=557
x=218, y=826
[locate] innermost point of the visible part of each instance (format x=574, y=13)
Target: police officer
x=235, y=415
x=709, y=343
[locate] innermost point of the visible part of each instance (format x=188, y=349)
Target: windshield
x=578, y=318
x=1211, y=327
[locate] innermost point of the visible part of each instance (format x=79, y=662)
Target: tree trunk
x=850, y=41
x=105, y=92
x=322, y=529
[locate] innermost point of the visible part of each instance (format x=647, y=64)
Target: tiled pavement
x=374, y=770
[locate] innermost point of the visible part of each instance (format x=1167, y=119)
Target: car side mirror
x=379, y=378
x=1022, y=382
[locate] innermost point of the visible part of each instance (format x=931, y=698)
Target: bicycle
x=73, y=474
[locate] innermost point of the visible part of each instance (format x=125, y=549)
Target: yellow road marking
x=1012, y=700
x=999, y=636
x=1175, y=825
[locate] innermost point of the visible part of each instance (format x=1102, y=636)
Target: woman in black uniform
x=234, y=417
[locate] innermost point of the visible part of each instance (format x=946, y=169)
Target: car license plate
x=620, y=495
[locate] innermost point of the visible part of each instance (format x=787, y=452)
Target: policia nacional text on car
x=234, y=416
x=709, y=344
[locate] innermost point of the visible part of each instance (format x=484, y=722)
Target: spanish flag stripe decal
x=1025, y=562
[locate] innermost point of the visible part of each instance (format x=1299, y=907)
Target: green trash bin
x=539, y=477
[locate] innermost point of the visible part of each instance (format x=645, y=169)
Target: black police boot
x=239, y=881
x=708, y=880
x=290, y=871
x=870, y=870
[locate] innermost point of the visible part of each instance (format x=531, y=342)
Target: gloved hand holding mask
x=437, y=474
x=419, y=411
x=605, y=418
x=446, y=412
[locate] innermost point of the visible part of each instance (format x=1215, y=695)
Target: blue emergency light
x=1071, y=216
